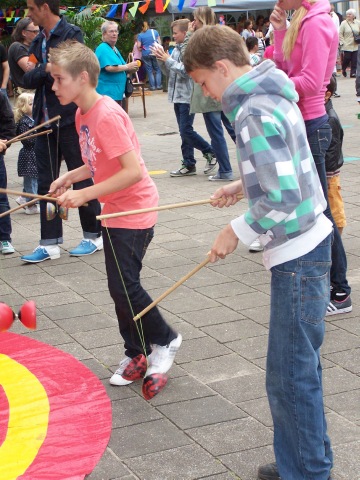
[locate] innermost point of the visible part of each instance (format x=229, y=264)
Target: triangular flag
x=112, y=12
x=124, y=6
x=159, y=8
x=133, y=9
x=166, y=5
x=145, y=7
x=181, y=5
x=211, y=3
x=193, y=3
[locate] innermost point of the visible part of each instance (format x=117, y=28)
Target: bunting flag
x=123, y=10
x=181, y=5
x=193, y=3
x=211, y=3
x=159, y=8
x=133, y=9
x=144, y=7
x=166, y=5
x=112, y=11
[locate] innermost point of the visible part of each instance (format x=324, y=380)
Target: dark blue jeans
x=300, y=292
x=124, y=250
x=215, y=130
x=153, y=71
x=319, y=142
x=190, y=138
x=49, y=153
x=5, y=222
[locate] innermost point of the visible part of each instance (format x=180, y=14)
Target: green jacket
x=199, y=103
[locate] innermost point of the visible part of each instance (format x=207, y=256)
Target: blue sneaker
x=87, y=247
x=41, y=253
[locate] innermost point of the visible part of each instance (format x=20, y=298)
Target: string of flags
x=11, y=14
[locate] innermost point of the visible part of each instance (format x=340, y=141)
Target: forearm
x=77, y=175
x=6, y=74
x=117, y=68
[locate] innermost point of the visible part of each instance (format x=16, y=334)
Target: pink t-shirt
x=106, y=133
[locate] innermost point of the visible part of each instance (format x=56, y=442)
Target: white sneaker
x=256, y=246
x=162, y=358
x=117, y=379
x=21, y=200
x=32, y=210
x=6, y=247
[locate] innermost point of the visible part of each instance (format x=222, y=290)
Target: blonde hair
x=22, y=104
x=205, y=15
x=213, y=43
x=293, y=30
x=75, y=58
x=182, y=23
x=145, y=26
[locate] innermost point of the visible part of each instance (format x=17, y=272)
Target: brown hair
x=74, y=58
x=205, y=15
x=182, y=23
x=54, y=5
x=21, y=25
x=216, y=42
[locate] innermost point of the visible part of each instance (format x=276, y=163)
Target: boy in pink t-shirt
x=112, y=157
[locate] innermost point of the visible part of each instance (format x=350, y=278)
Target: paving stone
x=220, y=368
x=150, y=437
x=338, y=340
x=245, y=464
x=81, y=309
x=211, y=316
x=98, y=338
x=198, y=349
x=184, y=463
x=338, y=380
x=341, y=431
x=350, y=360
x=99, y=370
x=200, y=412
x=240, y=302
x=242, y=389
x=87, y=323
x=258, y=409
x=345, y=404
x=109, y=468
x=250, y=348
x=230, y=437
x=347, y=460
x=133, y=411
x=194, y=302
x=236, y=330
x=52, y=336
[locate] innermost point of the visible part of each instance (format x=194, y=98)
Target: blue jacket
x=40, y=80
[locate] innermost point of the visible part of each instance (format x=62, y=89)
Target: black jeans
x=349, y=58
x=49, y=153
x=124, y=250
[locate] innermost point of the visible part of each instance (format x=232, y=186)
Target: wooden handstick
x=29, y=195
x=51, y=120
x=159, y=208
x=19, y=207
x=171, y=289
x=14, y=140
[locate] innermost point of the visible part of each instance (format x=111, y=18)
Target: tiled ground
x=212, y=420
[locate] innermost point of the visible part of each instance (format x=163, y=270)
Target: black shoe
x=344, y=73
x=353, y=75
x=268, y=472
x=336, y=95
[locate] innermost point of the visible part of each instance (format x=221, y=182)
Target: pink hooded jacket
x=312, y=59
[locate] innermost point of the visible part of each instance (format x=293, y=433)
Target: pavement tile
x=341, y=431
x=211, y=316
x=200, y=411
x=350, y=360
x=133, y=411
x=337, y=380
x=98, y=338
x=236, y=330
x=81, y=309
x=347, y=462
x=199, y=349
x=87, y=323
x=230, y=437
x=241, y=389
x=183, y=463
x=345, y=404
x=258, y=409
x=220, y=368
x=250, y=348
x=246, y=463
x=146, y=438
x=110, y=467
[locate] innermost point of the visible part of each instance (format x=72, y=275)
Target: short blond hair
x=74, y=58
x=182, y=23
x=213, y=43
x=205, y=15
x=23, y=101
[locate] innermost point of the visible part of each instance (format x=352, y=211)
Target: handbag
x=129, y=87
x=356, y=36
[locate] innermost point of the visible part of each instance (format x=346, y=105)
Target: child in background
x=112, y=157
x=180, y=88
x=334, y=160
x=285, y=207
x=253, y=47
x=269, y=50
x=27, y=167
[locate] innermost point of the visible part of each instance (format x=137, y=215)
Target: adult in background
x=63, y=142
x=348, y=28
x=357, y=81
x=18, y=53
x=248, y=29
x=4, y=70
x=145, y=39
x=113, y=68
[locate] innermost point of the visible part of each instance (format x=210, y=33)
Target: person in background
x=146, y=38
x=18, y=54
x=113, y=68
x=4, y=70
x=27, y=167
x=269, y=50
x=7, y=131
x=248, y=29
x=334, y=160
x=310, y=69
x=348, y=28
x=137, y=55
x=253, y=47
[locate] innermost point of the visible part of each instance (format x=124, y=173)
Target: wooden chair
x=139, y=87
